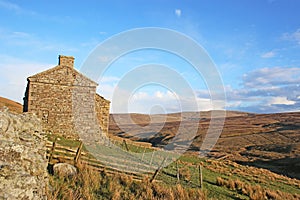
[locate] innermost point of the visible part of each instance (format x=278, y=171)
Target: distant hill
x=12, y=105
x=144, y=119
x=269, y=141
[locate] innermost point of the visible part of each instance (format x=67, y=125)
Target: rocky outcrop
x=23, y=163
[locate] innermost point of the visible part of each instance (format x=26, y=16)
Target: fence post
x=110, y=142
x=200, y=177
x=143, y=153
x=158, y=170
x=78, y=153
x=151, y=158
x=52, y=150
x=124, y=142
x=177, y=168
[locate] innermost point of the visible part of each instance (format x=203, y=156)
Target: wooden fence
x=59, y=153
x=144, y=165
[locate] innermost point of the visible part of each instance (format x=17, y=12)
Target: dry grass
x=254, y=192
x=81, y=186
x=89, y=184
x=185, y=174
x=11, y=105
x=220, y=181
x=252, y=174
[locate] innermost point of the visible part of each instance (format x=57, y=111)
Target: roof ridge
x=58, y=67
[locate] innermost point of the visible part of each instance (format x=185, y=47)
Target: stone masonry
x=66, y=101
x=102, y=110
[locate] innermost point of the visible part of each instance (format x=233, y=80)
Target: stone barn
x=66, y=101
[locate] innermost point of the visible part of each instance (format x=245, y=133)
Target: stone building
x=66, y=101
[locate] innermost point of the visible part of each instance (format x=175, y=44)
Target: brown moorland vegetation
x=270, y=141
x=255, y=192
x=11, y=105
x=89, y=184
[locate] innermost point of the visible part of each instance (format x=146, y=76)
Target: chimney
x=66, y=61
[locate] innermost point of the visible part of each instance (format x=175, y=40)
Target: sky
x=254, y=44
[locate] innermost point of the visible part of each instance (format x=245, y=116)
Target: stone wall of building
x=84, y=113
x=55, y=111
x=23, y=163
x=65, y=101
x=102, y=109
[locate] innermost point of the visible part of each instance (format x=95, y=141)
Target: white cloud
x=268, y=90
x=14, y=73
x=164, y=102
x=295, y=36
x=106, y=90
x=281, y=101
x=178, y=12
x=109, y=79
x=151, y=102
x=104, y=58
x=140, y=96
x=144, y=102
x=272, y=76
x=18, y=34
x=269, y=54
x=9, y=6
x=168, y=96
x=15, y=8
x=13, y=37
x=19, y=40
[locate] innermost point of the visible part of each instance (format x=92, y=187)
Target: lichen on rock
x=23, y=163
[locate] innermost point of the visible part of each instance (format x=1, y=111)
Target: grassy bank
x=221, y=180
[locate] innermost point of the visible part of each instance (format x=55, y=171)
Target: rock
x=23, y=163
x=64, y=170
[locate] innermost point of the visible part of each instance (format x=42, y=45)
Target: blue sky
x=255, y=45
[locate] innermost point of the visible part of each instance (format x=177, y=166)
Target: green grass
x=210, y=169
x=63, y=141
x=169, y=177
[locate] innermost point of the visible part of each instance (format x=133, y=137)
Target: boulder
x=64, y=170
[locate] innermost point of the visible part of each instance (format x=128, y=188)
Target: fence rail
x=112, y=165
x=147, y=162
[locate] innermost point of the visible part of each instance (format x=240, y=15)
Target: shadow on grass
x=286, y=166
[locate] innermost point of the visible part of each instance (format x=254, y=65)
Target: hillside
x=12, y=105
x=270, y=141
x=118, y=178
x=267, y=141
x=144, y=119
